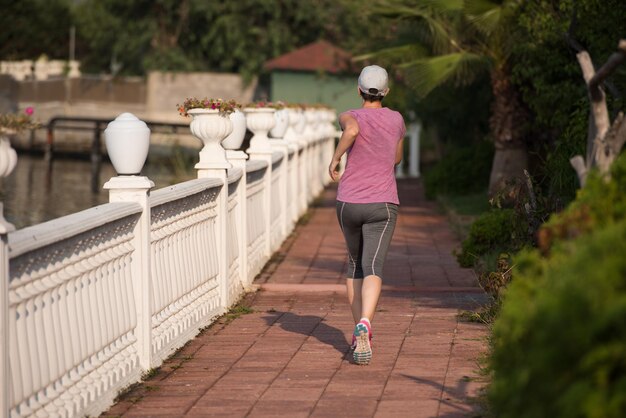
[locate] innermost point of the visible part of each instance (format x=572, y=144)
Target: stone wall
x=152, y=99
x=8, y=94
x=165, y=90
x=41, y=69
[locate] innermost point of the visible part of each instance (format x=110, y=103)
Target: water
x=37, y=191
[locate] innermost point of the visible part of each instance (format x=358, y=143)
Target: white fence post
x=283, y=147
x=134, y=188
x=137, y=189
x=260, y=122
x=414, y=149
x=238, y=159
x=293, y=183
x=211, y=129
x=221, y=226
x=5, y=228
x=266, y=155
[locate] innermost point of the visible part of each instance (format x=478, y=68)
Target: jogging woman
x=367, y=198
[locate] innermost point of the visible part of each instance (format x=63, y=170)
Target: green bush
x=497, y=229
x=462, y=171
x=559, y=344
x=600, y=203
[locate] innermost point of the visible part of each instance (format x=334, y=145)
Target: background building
x=316, y=73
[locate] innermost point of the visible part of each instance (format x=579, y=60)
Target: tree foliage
x=454, y=42
x=240, y=36
x=31, y=28
x=548, y=75
x=445, y=108
x=131, y=37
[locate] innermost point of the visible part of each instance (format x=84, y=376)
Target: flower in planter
x=261, y=104
x=16, y=122
x=224, y=107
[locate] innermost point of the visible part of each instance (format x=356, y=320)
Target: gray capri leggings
x=367, y=228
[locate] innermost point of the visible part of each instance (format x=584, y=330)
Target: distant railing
x=95, y=126
x=97, y=298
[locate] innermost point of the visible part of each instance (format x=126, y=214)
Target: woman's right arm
x=399, y=151
x=350, y=132
x=400, y=146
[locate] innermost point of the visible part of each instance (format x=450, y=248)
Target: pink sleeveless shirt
x=369, y=176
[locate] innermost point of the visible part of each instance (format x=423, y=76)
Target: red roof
x=320, y=55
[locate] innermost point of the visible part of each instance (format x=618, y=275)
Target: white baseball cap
x=374, y=80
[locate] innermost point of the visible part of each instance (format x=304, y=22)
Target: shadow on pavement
x=311, y=325
x=449, y=396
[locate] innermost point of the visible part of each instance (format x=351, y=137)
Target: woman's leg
x=370, y=292
x=377, y=234
x=354, y=287
x=351, y=228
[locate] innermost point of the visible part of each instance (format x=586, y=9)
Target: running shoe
x=353, y=343
x=363, y=352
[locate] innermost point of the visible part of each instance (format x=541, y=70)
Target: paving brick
x=407, y=408
x=344, y=407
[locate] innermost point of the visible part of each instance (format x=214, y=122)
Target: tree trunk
x=508, y=164
x=604, y=140
x=506, y=123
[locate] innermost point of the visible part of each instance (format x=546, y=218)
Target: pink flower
x=29, y=111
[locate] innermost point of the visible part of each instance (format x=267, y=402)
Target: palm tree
x=455, y=41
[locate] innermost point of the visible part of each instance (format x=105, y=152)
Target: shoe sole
x=363, y=352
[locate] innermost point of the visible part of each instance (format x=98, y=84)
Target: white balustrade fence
x=95, y=299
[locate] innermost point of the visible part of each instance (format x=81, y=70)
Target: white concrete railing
x=42, y=69
x=97, y=298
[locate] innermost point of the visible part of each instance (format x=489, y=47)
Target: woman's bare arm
x=350, y=132
x=399, y=151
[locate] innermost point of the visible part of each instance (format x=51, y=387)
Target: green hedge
x=560, y=339
x=461, y=171
x=498, y=229
x=559, y=343
x=600, y=203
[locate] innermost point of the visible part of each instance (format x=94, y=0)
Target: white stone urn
x=322, y=123
x=282, y=123
x=295, y=116
x=300, y=127
x=211, y=127
x=319, y=121
x=310, y=116
x=327, y=125
x=235, y=139
x=127, y=140
x=260, y=121
x=332, y=117
x=8, y=156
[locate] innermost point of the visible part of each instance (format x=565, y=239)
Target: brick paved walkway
x=289, y=358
